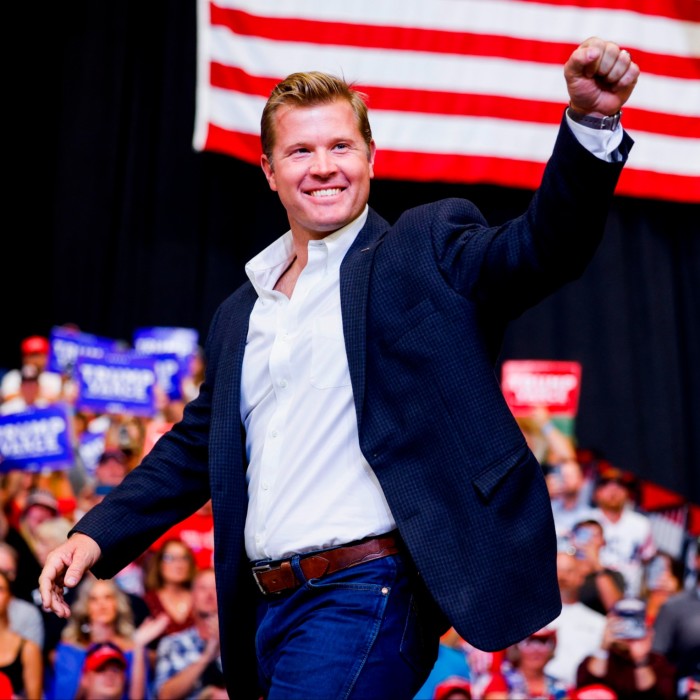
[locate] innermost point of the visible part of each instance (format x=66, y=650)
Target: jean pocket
x=418, y=645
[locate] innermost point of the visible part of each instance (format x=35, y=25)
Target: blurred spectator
x=524, y=669
x=39, y=506
x=451, y=664
x=626, y=663
x=453, y=688
x=189, y=661
x=595, y=691
x=195, y=377
x=28, y=395
x=24, y=617
x=565, y=482
x=663, y=578
x=579, y=629
x=111, y=468
x=602, y=587
x=104, y=673
x=629, y=542
x=170, y=573
x=20, y=658
x=34, y=352
x=677, y=630
x=101, y=612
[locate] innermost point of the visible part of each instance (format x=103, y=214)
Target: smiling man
x=369, y=485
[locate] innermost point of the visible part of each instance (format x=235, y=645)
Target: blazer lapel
x=354, y=287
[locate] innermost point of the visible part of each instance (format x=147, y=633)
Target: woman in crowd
x=522, y=675
x=663, y=578
x=102, y=613
x=20, y=658
x=168, y=583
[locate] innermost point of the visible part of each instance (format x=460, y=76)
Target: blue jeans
x=358, y=634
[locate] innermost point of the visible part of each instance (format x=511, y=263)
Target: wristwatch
x=600, y=123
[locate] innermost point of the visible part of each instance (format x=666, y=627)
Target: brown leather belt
x=278, y=576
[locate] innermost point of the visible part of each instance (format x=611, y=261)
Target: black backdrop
x=114, y=222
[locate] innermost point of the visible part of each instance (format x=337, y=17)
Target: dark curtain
x=114, y=222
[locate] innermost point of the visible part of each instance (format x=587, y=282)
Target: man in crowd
x=104, y=673
x=629, y=540
x=187, y=662
x=369, y=483
x=677, y=631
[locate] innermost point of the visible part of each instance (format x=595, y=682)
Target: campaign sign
x=173, y=348
x=36, y=439
x=118, y=383
x=67, y=345
x=554, y=384
x=91, y=446
x=170, y=371
x=159, y=340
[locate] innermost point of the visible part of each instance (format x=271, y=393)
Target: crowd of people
x=152, y=630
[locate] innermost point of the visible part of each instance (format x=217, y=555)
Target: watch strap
x=601, y=123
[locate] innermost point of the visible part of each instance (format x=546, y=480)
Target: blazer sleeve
x=515, y=265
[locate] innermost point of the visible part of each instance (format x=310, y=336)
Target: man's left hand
x=600, y=77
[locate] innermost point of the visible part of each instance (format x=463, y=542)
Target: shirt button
x=258, y=539
x=282, y=383
x=265, y=486
x=274, y=433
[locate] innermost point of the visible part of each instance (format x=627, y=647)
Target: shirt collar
x=265, y=268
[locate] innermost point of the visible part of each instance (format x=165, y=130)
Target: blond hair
x=306, y=90
x=77, y=631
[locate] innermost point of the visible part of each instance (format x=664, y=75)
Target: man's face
x=204, y=601
x=110, y=472
x=320, y=167
x=611, y=494
x=35, y=515
x=569, y=574
x=107, y=682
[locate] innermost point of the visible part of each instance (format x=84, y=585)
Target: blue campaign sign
x=91, y=446
x=173, y=348
x=170, y=371
x=37, y=439
x=118, y=383
x=67, y=345
x=161, y=340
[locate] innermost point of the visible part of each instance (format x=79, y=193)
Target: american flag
x=459, y=90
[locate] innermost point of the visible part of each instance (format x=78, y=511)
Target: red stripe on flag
x=429, y=40
x=506, y=172
x=463, y=104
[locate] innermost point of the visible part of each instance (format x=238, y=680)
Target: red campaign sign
x=554, y=384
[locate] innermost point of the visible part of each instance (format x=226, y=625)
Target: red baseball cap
x=595, y=691
x=35, y=344
x=100, y=654
x=450, y=685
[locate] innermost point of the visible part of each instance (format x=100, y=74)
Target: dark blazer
x=425, y=303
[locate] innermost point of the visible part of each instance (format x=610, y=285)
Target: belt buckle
x=260, y=569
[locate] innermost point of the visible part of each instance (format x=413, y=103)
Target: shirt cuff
x=600, y=142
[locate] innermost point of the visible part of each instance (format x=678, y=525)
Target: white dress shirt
x=309, y=486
